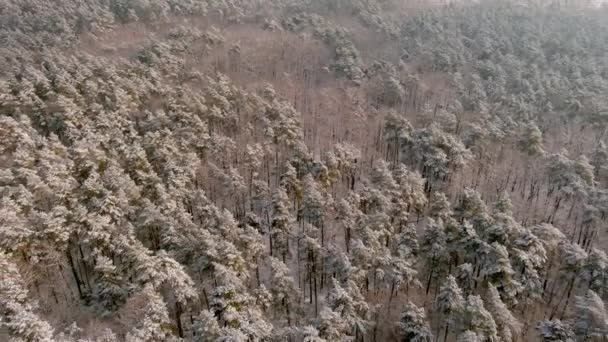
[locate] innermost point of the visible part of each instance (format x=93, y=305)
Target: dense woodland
x=303, y=171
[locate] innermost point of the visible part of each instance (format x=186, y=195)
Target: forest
x=303, y=171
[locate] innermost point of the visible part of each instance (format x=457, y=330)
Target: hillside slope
x=288, y=170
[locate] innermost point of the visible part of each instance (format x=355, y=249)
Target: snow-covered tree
x=434, y=250
x=312, y=202
x=406, y=244
x=348, y=302
x=413, y=325
x=331, y=325
x=18, y=312
x=570, y=178
x=281, y=224
x=206, y=327
x=504, y=228
x=382, y=178
x=555, y=330
x=479, y=320
x=551, y=238
x=468, y=336
x=410, y=190
x=397, y=133
x=438, y=154
x=283, y=289
x=572, y=261
x=474, y=210
x=401, y=273
x=111, y=289
x=155, y=324
x=238, y=314
x=450, y=303
x=311, y=254
x=591, y=320
x=440, y=207
x=310, y=334
x=347, y=214
x=497, y=270
x=290, y=182
x=530, y=140
x=507, y=325
x=599, y=160
x=465, y=277
x=595, y=270
x=529, y=260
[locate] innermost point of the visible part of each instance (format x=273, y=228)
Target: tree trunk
x=86, y=273
x=178, y=320
x=428, y=283
x=347, y=239
x=75, y=273
x=314, y=273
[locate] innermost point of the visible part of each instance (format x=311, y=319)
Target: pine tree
x=15, y=234
x=413, y=325
x=407, y=245
x=238, y=314
x=531, y=140
x=280, y=223
x=111, y=289
x=508, y=326
x=529, y=259
x=595, y=270
x=440, y=207
x=284, y=292
x=312, y=254
x=479, y=320
x=348, y=157
x=468, y=336
x=591, y=317
x=504, y=228
x=310, y=334
x=434, y=250
x=251, y=246
x=155, y=324
x=572, y=261
x=331, y=325
x=410, y=190
x=551, y=238
x=382, y=178
x=569, y=177
x=347, y=214
x=290, y=182
x=438, y=154
x=465, y=277
x=312, y=203
x=555, y=330
x=599, y=160
x=401, y=272
x=393, y=91
x=497, y=269
x=18, y=312
x=464, y=244
x=584, y=170
x=206, y=327
x=351, y=306
x=263, y=298
x=450, y=303
x=397, y=133
x=472, y=208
